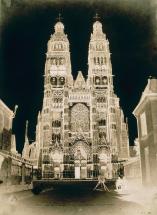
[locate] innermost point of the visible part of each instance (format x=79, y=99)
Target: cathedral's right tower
x=107, y=119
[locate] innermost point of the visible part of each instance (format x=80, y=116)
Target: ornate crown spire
x=59, y=27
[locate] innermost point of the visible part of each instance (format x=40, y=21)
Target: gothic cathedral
x=81, y=129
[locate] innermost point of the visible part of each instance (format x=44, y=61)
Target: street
x=70, y=202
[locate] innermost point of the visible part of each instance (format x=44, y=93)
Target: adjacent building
x=13, y=168
x=81, y=128
x=146, y=115
x=6, y=117
x=135, y=149
x=132, y=167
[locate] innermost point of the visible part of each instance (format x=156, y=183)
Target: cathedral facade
x=81, y=127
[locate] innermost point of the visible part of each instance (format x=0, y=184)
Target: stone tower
x=107, y=117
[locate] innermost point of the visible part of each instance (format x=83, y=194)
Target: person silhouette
x=119, y=184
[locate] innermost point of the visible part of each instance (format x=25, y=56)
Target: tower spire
x=59, y=18
x=26, y=132
x=26, y=143
x=96, y=17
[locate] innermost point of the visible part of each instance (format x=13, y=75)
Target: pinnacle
x=80, y=81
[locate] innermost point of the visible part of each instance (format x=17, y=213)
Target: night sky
x=26, y=27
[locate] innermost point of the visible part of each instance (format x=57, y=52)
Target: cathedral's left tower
x=58, y=79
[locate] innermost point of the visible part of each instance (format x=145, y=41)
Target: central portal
x=77, y=172
x=81, y=153
x=80, y=169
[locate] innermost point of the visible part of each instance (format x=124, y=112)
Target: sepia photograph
x=78, y=107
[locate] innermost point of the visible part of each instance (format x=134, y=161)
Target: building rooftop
x=151, y=86
x=3, y=106
x=149, y=91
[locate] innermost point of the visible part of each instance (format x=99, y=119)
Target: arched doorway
x=81, y=151
x=5, y=170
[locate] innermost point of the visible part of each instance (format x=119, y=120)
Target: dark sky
x=26, y=27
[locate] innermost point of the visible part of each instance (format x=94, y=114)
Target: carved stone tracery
x=80, y=118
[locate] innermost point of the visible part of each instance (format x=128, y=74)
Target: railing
x=68, y=174
x=16, y=157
